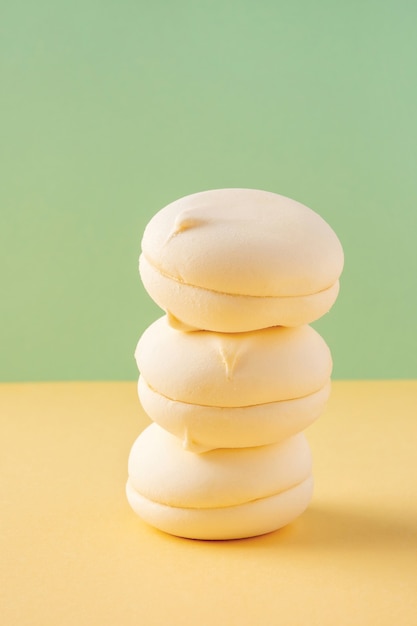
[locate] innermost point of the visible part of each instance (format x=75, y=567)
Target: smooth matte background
x=112, y=109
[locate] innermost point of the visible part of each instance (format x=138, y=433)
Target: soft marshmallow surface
x=279, y=259
x=222, y=494
x=233, y=370
x=191, y=308
x=203, y=428
x=231, y=522
x=162, y=471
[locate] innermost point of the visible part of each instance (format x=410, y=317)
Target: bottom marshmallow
x=220, y=494
x=231, y=522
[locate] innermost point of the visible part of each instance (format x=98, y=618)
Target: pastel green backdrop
x=112, y=109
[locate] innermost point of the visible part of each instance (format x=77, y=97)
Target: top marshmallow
x=232, y=260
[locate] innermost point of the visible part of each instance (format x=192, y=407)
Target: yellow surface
x=73, y=553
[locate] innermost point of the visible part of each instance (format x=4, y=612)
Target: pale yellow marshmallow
x=233, y=370
x=233, y=260
x=220, y=494
x=231, y=522
x=193, y=308
x=203, y=428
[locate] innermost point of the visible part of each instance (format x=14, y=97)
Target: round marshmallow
x=231, y=522
x=167, y=481
x=233, y=260
x=233, y=369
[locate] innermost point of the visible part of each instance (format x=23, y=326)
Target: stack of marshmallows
x=232, y=373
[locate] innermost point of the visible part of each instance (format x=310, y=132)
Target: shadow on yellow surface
x=327, y=528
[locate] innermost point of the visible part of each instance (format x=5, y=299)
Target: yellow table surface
x=73, y=553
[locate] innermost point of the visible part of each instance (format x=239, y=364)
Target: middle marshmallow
x=217, y=390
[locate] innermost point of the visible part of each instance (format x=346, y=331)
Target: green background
x=112, y=109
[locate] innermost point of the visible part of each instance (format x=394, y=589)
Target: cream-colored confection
x=231, y=522
x=227, y=493
x=233, y=260
x=233, y=372
x=192, y=307
x=202, y=428
x=233, y=369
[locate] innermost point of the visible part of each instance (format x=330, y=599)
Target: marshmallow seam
x=228, y=293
